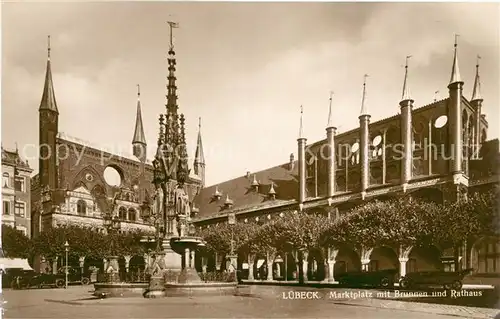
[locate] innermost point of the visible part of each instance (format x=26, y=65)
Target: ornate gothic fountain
x=173, y=269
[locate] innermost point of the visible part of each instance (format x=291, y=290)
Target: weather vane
x=172, y=25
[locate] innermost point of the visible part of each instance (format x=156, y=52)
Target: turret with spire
x=477, y=103
x=139, y=140
x=199, y=157
x=49, y=126
x=364, y=122
x=455, y=115
x=406, y=105
x=330, y=137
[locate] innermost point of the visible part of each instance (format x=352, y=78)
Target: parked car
x=31, y=278
x=9, y=275
x=445, y=279
x=382, y=278
x=75, y=275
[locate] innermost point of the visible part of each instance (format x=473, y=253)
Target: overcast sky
x=245, y=68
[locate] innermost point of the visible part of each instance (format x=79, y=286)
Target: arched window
x=81, y=207
x=132, y=214
x=376, y=147
x=354, y=152
x=5, y=179
x=122, y=213
x=418, y=136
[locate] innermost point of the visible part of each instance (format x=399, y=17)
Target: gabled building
x=16, y=191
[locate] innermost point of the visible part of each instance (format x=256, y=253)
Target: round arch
x=423, y=258
x=383, y=257
x=484, y=255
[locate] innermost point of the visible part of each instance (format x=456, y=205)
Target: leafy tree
x=15, y=244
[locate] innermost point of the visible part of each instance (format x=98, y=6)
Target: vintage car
x=75, y=275
x=31, y=278
x=382, y=278
x=445, y=279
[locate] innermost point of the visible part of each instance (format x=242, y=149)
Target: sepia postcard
x=173, y=159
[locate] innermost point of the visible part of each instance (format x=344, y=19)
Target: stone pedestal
x=112, y=271
x=189, y=275
x=156, y=287
x=173, y=261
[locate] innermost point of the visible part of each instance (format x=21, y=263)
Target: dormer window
x=228, y=203
x=217, y=195
x=255, y=184
x=272, y=192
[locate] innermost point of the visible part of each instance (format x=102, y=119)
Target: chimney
x=248, y=174
x=292, y=161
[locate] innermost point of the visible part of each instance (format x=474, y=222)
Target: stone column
x=330, y=136
x=251, y=261
x=364, y=151
x=270, y=270
x=406, y=136
x=186, y=258
x=365, y=264
x=192, y=260
x=305, y=254
x=329, y=270
x=402, y=267
x=302, y=168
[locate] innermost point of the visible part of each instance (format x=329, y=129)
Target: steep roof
x=13, y=158
x=240, y=191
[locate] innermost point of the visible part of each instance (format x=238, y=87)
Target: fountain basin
x=179, y=244
x=119, y=289
x=200, y=289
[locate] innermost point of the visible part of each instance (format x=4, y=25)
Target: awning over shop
x=18, y=263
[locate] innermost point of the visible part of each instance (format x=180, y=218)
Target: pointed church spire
x=455, y=72
x=330, y=115
x=476, y=93
x=406, y=88
x=139, y=137
x=48, y=97
x=301, y=128
x=199, y=157
x=364, y=108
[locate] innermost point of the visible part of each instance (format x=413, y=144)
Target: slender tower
x=139, y=146
x=364, y=122
x=301, y=142
x=199, y=157
x=330, y=137
x=455, y=116
x=48, y=129
x=477, y=103
x=406, y=105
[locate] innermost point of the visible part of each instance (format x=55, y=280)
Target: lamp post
x=66, y=248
